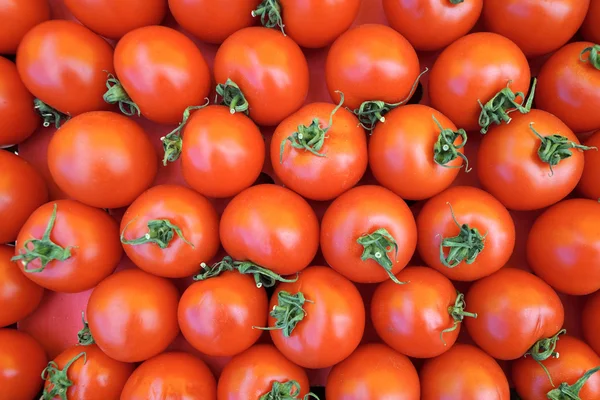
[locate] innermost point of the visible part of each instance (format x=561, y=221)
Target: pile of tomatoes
x=236, y=200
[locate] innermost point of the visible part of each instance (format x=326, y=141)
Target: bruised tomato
x=589, y=184
x=591, y=321
x=18, y=18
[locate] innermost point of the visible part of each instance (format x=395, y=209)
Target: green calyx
x=444, y=149
x=160, y=232
x=544, y=349
x=116, y=94
x=172, y=142
x=564, y=391
x=58, y=379
x=288, y=312
x=289, y=390
x=456, y=1
x=269, y=12
x=497, y=110
x=84, y=336
x=465, y=246
x=232, y=97
x=376, y=246
x=458, y=314
x=593, y=58
x=49, y=115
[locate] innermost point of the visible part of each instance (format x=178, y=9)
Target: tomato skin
x=103, y=159
x=222, y=153
x=479, y=210
x=564, y=241
x=188, y=210
x=360, y=211
x=345, y=150
x=274, y=215
x=371, y=62
x=530, y=310
x=273, y=76
x=590, y=29
x=591, y=322
x=588, y=185
x=129, y=305
x=19, y=17
x=475, y=67
x=63, y=64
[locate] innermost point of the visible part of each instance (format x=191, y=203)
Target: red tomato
x=368, y=234
x=465, y=233
x=529, y=311
x=537, y=27
x=318, y=320
x=320, y=151
x=589, y=185
x=590, y=29
x=64, y=65
x=474, y=69
x=374, y=372
x=102, y=159
x=591, y=322
x=170, y=230
x=171, y=376
x=18, y=18
x=22, y=190
x=269, y=82
x=407, y=154
x=22, y=361
x=129, y=305
x=66, y=246
x=432, y=24
x=531, y=163
x=463, y=373
x=272, y=227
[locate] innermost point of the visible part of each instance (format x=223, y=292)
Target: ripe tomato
x=590, y=29
x=529, y=311
x=591, y=322
x=463, y=373
x=273, y=215
x=537, y=27
x=22, y=190
x=130, y=305
x=320, y=151
x=374, y=372
x=531, y=163
x=465, y=233
x=589, y=185
x=268, y=82
x=102, y=159
x=66, y=246
x=432, y=24
x=170, y=230
x=253, y=374
x=407, y=153
x=474, y=69
x=18, y=18
x=318, y=320
x=368, y=234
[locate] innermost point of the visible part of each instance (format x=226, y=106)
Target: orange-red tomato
x=590, y=28
x=591, y=322
x=18, y=18
x=589, y=184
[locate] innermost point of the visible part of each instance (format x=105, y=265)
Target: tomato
x=22, y=360
x=537, y=27
x=318, y=320
x=102, y=159
x=114, y=18
x=432, y=24
x=273, y=215
x=465, y=233
x=591, y=322
x=569, y=85
x=407, y=155
x=22, y=190
x=269, y=82
x=368, y=234
x=170, y=230
x=18, y=18
x=463, y=373
x=474, y=69
x=374, y=372
x=589, y=186
x=320, y=151
x=590, y=29
x=531, y=163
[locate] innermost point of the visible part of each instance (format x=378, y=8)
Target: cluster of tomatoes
x=234, y=234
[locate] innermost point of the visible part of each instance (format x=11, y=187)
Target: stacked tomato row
x=331, y=260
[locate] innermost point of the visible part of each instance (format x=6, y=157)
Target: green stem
x=497, y=110
x=269, y=12
x=160, y=232
x=566, y=392
x=84, y=336
x=444, y=149
x=377, y=246
x=58, y=379
x=289, y=390
x=458, y=314
x=262, y=276
x=465, y=246
x=49, y=115
x=232, y=97
x=288, y=312
x=593, y=58
x=116, y=94
x=172, y=142
x=456, y=1
x=544, y=349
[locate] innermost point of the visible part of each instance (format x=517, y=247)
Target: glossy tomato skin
x=191, y=212
x=564, y=242
x=530, y=310
x=475, y=67
x=371, y=62
x=463, y=373
x=591, y=322
x=320, y=340
x=274, y=215
x=93, y=235
x=64, y=64
x=130, y=305
x=273, y=76
x=401, y=154
x=345, y=150
x=360, y=211
x=590, y=29
x=479, y=210
x=22, y=190
x=374, y=372
x=162, y=71
x=510, y=168
x=222, y=153
x=19, y=17
x=103, y=159
x=589, y=185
